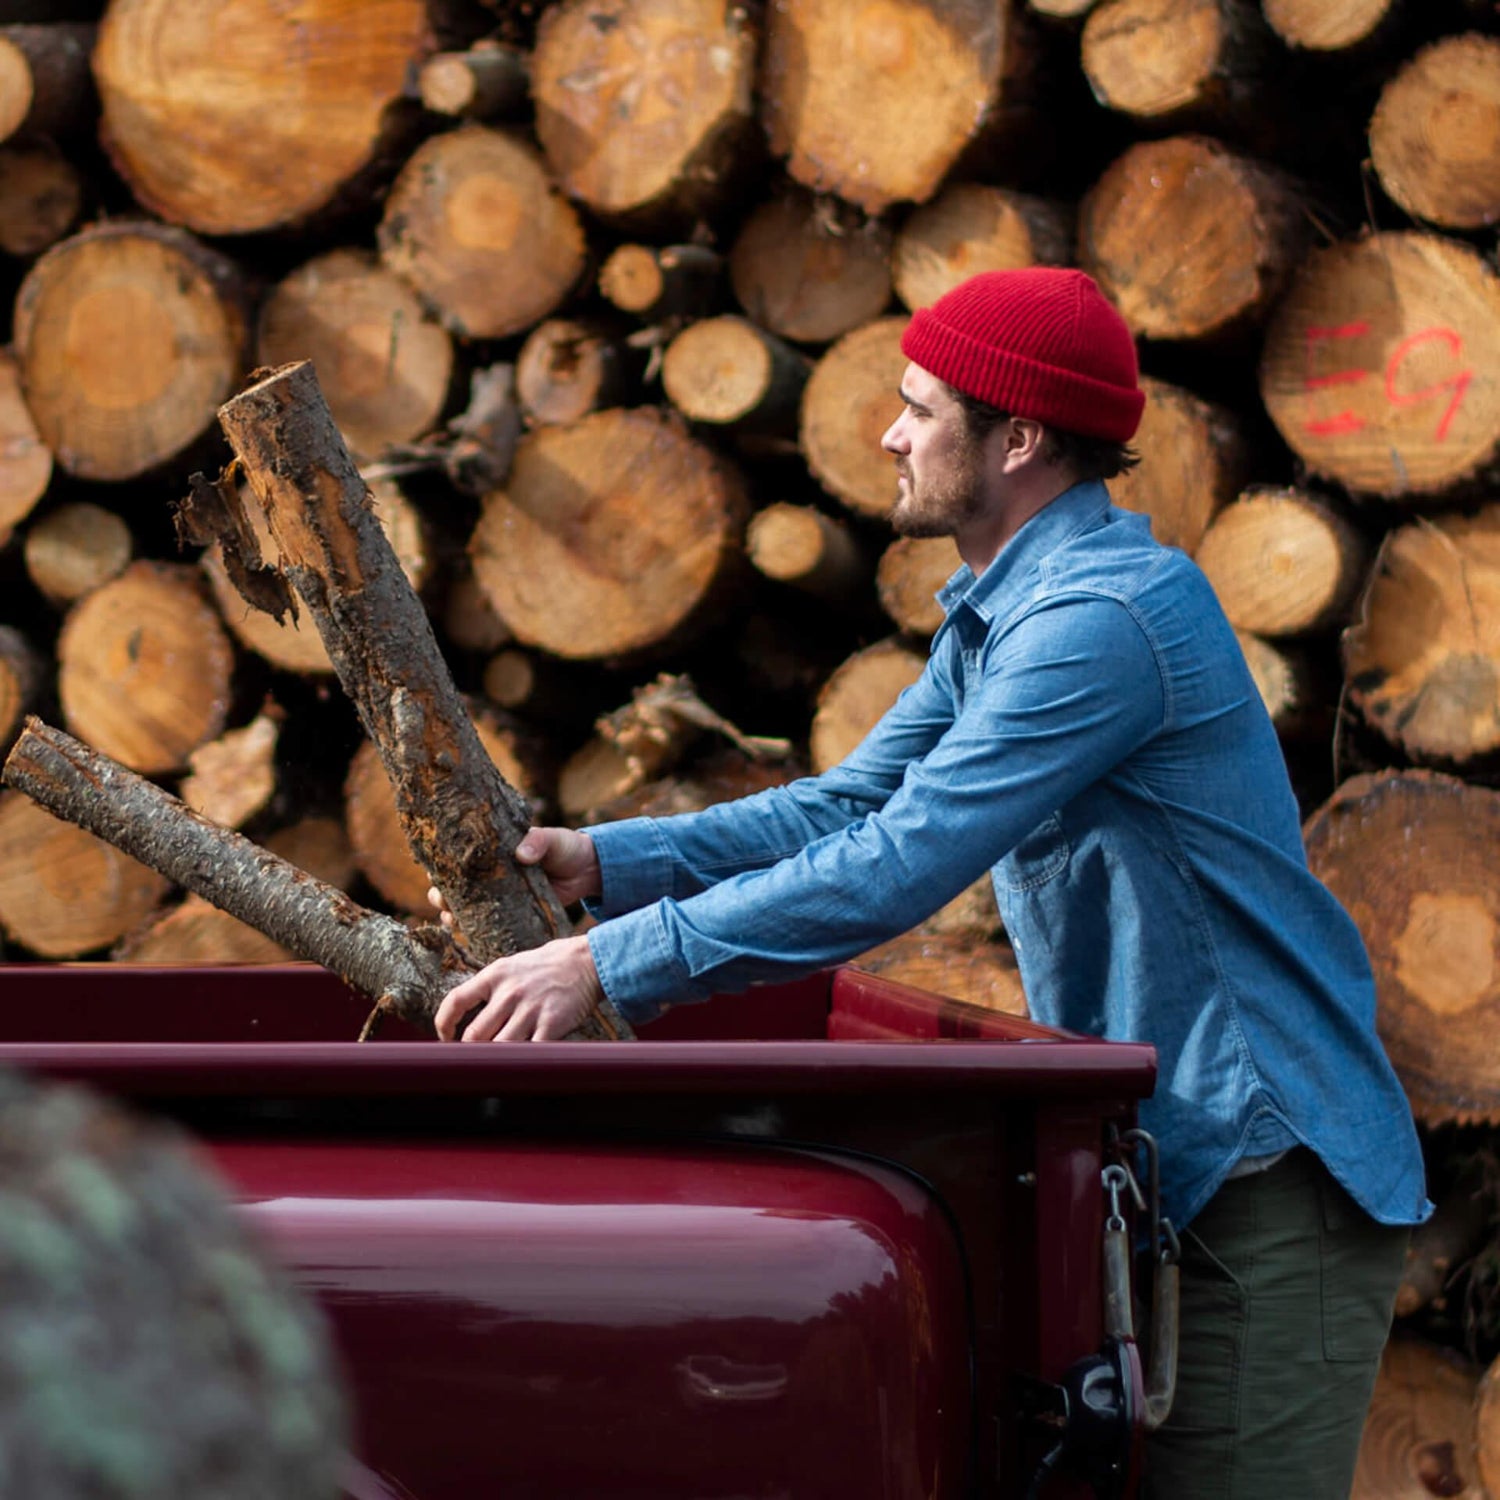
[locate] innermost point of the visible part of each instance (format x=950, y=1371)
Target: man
x=1086, y=729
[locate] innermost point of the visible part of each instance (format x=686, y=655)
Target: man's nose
x=893, y=440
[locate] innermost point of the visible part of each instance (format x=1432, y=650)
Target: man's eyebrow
x=911, y=400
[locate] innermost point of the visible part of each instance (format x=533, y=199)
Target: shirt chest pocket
x=1041, y=856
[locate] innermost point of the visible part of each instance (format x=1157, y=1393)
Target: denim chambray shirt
x=1086, y=730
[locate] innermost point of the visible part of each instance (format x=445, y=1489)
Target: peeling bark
x=461, y=818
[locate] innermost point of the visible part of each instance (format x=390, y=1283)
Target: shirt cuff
x=635, y=866
x=636, y=965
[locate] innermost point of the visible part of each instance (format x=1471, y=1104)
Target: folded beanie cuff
x=1067, y=399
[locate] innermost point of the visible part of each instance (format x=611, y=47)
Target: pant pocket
x=1360, y=1263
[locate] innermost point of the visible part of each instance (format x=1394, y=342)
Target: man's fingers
x=486, y=1026
x=435, y=898
x=532, y=847
x=519, y=1026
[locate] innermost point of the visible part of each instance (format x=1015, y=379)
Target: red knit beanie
x=1040, y=343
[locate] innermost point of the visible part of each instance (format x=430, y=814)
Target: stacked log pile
x=605, y=297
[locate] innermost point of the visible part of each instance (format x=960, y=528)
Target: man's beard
x=944, y=503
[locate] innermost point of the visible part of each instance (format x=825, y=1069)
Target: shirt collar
x=1059, y=521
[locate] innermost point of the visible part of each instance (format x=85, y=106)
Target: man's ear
x=1021, y=442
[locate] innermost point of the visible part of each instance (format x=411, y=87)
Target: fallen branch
x=461, y=818
x=406, y=970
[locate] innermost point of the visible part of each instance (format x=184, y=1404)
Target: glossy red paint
x=628, y=1322
x=750, y=1134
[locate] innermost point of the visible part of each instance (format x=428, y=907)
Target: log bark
x=857, y=696
x=614, y=535
x=1195, y=459
x=972, y=227
x=462, y=820
x=911, y=571
x=197, y=932
x=849, y=401
x=1372, y=367
x=144, y=668
x=1410, y=855
x=25, y=460
x=129, y=334
x=1179, y=63
x=833, y=78
x=383, y=365
x=675, y=281
x=74, y=549
x=811, y=269
x=1419, y=1434
x=1423, y=658
x=22, y=673
x=488, y=80
x=726, y=371
x=1283, y=561
x=290, y=643
x=569, y=367
x=645, y=107
x=800, y=546
x=1435, y=131
x=235, y=122
x=374, y=824
x=475, y=224
x=409, y=970
x=63, y=892
x=1189, y=239
x=45, y=88
x=41, y=197
x=232, y=778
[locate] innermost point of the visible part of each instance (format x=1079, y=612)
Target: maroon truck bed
x=777, y=1134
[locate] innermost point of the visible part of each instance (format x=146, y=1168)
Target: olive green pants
x=1287, y=1290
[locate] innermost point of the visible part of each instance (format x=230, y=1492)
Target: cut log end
x=971, y=227
x=74, y=549
x=811, y=269
x=857, y=696
x=1423, y=659
x=1282, y=562
x=1370, y=367
x=476, y=225
x=850, y=400
x=1410, y=857
x=129, y=336
x=831, y=88
x=144, y=667
x=1419, y=1434
x=1435, y=134
x=1189, y=239
x=590, y=570
x=641, y=118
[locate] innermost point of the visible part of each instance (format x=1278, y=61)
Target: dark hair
x=1084, y=457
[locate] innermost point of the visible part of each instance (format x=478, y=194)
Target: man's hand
x=537, y=996
x=567, y=859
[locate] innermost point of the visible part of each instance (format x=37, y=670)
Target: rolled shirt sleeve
x=965, y=765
